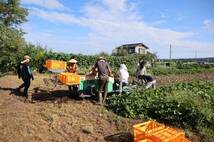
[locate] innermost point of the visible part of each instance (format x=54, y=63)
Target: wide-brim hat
x=25, y=61
x=72, y=61
x=100, y=58
x=27, y=57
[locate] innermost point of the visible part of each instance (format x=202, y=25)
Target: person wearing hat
x=26, y=75
x=104, y=72
x=123, y=76
x=72, y=66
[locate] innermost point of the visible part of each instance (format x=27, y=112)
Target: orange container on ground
x=55, y=65
x=152, y=131
x=69, y=78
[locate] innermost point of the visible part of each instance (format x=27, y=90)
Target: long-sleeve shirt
x=124, y=75
x=141, y=71
x=26, y=72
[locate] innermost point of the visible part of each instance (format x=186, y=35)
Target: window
x=131, y=50
x=141, y=51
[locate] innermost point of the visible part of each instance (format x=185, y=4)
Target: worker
x=104, y=72
x=72, y=66
x=141, y=68
x=123, y=76
x=148, y=80
x=26, y=75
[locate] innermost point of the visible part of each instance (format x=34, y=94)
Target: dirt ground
x=172, y=79
x=54, y=117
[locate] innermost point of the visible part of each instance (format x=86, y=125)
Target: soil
x=55, y=117
x=172, y=79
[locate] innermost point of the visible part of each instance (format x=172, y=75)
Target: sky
x=93, y=26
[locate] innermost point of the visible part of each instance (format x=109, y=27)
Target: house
x=138, y=48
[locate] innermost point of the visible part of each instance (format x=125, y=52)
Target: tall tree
x=11, y=14
x=12, y=42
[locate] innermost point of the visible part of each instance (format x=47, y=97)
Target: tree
x=12, y=42
x=103, y=54
x=120, y=52
x=11, y=14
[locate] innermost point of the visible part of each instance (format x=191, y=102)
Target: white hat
x=25, y=61
x=123, y=66
x=72, y=61
x=27, y=57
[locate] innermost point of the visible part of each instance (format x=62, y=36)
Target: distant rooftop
x=134, y=45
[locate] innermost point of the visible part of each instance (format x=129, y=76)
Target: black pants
x=73, y=91
x=26, y=86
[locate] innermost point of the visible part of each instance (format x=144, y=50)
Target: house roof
x=134, y=45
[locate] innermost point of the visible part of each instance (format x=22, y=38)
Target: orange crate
x=55, y=65
x=152, y=131
x=69, y=78
x=142, y=130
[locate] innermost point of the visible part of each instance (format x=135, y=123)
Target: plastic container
x=69, y=78
x=152, y=131
x=55, y=65
x=142, y=130
x=92, y=81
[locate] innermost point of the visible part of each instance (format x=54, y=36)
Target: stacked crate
x=69, y=78
x=152, y=131
x=55, y=65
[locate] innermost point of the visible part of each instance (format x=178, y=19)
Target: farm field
x=55, y=117
x=136, y=43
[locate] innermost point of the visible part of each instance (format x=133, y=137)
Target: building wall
x=140, y=50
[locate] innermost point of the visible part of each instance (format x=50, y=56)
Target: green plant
x=186, y=105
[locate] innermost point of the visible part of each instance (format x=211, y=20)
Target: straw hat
x=25, y=61
x=72, y=61
x=27, y=57
x=100, y=58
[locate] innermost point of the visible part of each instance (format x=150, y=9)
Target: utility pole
x=196, y=53
x=170, y=52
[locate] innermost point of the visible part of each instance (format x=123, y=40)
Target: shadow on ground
x=12, y=91
x=120, y=137
x=60, y=96
x=56, y=95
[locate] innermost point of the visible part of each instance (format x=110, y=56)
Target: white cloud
x=163, y=15
x=159, y=22
x=208, y=25
x=55, y=16
x=50, y=4
x=180, y=16
x=112, y=23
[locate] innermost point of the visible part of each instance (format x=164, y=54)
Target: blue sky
x=94, y=26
